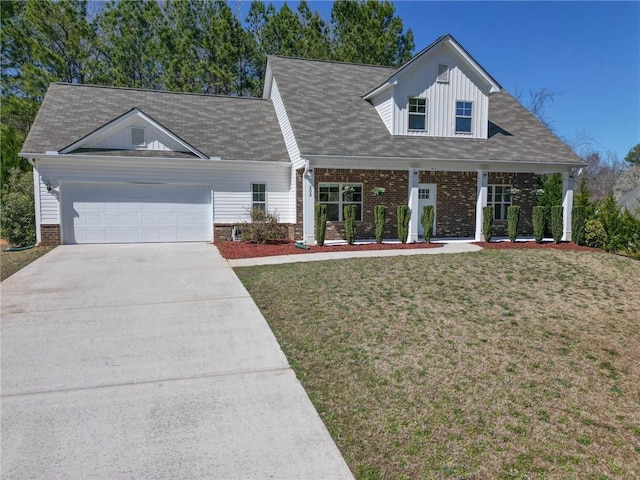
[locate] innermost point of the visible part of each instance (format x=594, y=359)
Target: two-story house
x=123, y=165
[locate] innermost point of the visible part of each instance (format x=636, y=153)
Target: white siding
x=420, y=81
x=154, y=140
x=383, y=104
x=231, y=184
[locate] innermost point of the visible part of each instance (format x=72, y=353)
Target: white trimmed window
x=464, y=114
x=259, y=196
x=498, y=197
x=443, y=73
x=418, y=114
x=137, y=137
x=336, y=196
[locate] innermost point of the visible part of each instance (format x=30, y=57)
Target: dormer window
x=443, y=73
x=418, y=114
x=137, y=137
x=464, y=111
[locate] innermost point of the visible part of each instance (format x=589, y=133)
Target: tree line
x=177, y=45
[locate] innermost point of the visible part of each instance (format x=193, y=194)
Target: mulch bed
x=233, y=250
x=570, y=246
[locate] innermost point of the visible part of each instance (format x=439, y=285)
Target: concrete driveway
x=149, y=361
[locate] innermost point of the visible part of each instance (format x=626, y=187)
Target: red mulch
x=233, y=250
x=571, y=246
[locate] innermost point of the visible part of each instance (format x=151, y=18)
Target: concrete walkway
x=149, y=362
x=458, y=247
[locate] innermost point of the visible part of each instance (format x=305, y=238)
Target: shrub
x=380, y=212
x=608, y=212
x=320, y=223
x=350, y=223
x=487, y=223
x=262, y=227
x=594, y=234
x=539, y=221
x=629, y=233
x=556, y=222
x=17, y=209
x=578, y=219
x=404, y=215
x=428, y=216
x=513, y=221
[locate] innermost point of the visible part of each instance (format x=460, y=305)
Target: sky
x=587, y=53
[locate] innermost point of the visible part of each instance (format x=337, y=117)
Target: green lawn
x=11, y=262
x=498, y=364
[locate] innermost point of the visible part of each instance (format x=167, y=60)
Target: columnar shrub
x=428, y=216
x=262, y=227
x=487, y=223
x=594, y=234
x=404, y=215
x=17, y=210
x=513, y=221
x=350, y=223
x=539, y=221
x=380, y=212
x=320, y=223
x=578, y=220
x=556, y=222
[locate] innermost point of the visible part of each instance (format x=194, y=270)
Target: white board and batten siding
x=383, y=104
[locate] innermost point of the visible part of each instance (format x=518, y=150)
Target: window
x=424, y=193
x=259, y=196
x=463, y=117
x=417, y=113
x=498, y=197
x=137, y=137
x=443, y=74
x=336, y=196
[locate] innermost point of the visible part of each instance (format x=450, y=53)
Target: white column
x=567, y=204
x=414, y=183
x=308, y=203
x=36, y=193
x=481, y=202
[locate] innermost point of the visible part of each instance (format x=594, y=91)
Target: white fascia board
x=268, y=76
x=494, y=86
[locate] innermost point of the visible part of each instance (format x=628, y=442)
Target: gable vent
x=443, y=73
x=137, y=137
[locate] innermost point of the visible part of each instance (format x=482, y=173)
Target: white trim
x=341, y=202
x=36, y=191
x=424, y=114
x=481, y=202
x=456, y=116
x=568, y=180
x=253, y=202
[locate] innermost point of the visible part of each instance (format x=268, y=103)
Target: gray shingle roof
x=329, y=117
x=233, y=128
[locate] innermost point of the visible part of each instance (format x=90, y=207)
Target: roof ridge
x=338, y=62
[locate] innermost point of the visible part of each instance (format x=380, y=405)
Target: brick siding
x=49, y=235
x=526, y=182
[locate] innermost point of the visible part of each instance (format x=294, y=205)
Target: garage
x=135, y=213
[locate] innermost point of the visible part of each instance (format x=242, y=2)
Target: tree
x=634, y=155
x=17, y=211
x=627, y=180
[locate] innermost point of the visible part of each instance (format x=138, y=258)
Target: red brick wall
x=526, y=183
x=455, y=202
x=49, y=235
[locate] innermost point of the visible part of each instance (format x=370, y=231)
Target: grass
x=497, y=364
x=11, y=262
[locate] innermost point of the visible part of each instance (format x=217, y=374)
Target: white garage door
x=129, y=213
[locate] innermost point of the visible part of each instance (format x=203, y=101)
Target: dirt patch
x=11, y=262
x=234, y=250
x=567, y=246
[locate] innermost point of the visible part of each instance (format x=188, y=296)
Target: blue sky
x=586, y=52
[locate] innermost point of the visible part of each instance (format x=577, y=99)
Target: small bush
x=380, y=212
x=17, y=209
x=594, y=234
x=320, y=223
x=578, y=220
x=404, y=215
x=556, y=222
x=487, y=223
x=629, y=232
x=350, y=223
x=513, y=221
x=539, y=221
x=262, y=227
x=428, y=216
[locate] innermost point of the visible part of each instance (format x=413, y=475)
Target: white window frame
x=416, y=113
x=504, y=203
x=443, y=73
x=144, y=137
x=342, y=198
x=258, y=203
x=470, y=117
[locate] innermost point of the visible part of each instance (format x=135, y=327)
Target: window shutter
x=137, y=137
x=443, y=73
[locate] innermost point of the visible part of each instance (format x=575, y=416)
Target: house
x=123, y=165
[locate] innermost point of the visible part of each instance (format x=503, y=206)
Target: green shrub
x=320, y=223
x=262, y=227
x=629, y=233
x=428, y=216
x=556, y=222
x=594, y=234
x=539, y=221
x=608, y=212
x=404, y=215
x=380, y=212
x=578, y=220
x=350, y=223
x=513, y=221
x=487, y=223
x=17, y=209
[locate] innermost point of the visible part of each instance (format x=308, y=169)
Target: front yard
x=498, y=364
x=11, y=262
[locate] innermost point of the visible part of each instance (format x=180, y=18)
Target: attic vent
x=443, y=73
x=137, y=137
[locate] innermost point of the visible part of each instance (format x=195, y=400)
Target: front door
x=426, y=196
